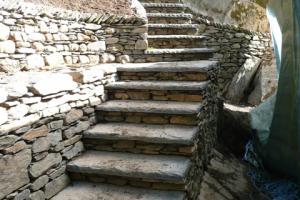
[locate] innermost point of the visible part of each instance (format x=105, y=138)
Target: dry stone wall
x=34, y=37
x=43, y=116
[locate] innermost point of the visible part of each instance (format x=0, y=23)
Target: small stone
x=73, y=116
x=38, y=168
x=97, y=46
x=9, y=65
x=41, y=145
x=35, y=61
x=39, y=183
x=84, y=59
x=81, y=126
x=76, y=150
x=54, y=137
x=124, y=59
x=112, y=40
x=72, y=141
x=19, y=146
x=141, y=44
x=54, y=125
x=4, y=32
x=7, y=46
x=24, y=195
x=56, y=186
x=36, y=133
x=3, y=95
x=107, y=58
x=38, y=195
x=18, y=111
x=3, y=116
x=56, y=173
x=8, y=140
x=55, y=60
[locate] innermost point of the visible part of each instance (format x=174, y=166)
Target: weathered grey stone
x=42, y=166
x=18, y=111
x=72, y=140
x=3, y=116
x=24, y=195
x=38, y=195
x=54, y=125
x=81, y=126
x=58, y=82
x=88, y=75
x=54, y=137
x=39, y=183
x=8, y=140
x=4, y=32
x=13, y=176
x=56, y=186
x=171, y=168
x=40, y=145
x=112, y=40
x=18, y=146
x=7, y=46
x=74, y=151
x=97, y=46
x=124, y=59
x=35, y=61
x=35, y=133
x=242, y=79
x=84, y=190
x=141, y=44
x=56, y=173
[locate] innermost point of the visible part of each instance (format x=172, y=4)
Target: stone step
x=172, y=29
x=142, y=138
x=180, y=51
x=147, y=168
x=176, y=41
x=169, y=18
x=161, y=1
x=182, y=91
x=92, y=191
x=164, y=7
x=154, y=107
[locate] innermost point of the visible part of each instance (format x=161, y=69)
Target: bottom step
x=90, y=191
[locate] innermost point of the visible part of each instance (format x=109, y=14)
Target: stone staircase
x=156, y=130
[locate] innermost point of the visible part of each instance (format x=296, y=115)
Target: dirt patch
x=120, y=7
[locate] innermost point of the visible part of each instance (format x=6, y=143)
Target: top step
x=160, y=1
x=164, y=7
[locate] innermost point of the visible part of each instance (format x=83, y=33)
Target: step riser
x=164, y=76
x=157, y=95
x=168, y=20
x=171, y=31
x=147, y=118
x=139, y=147
x=178, y=57
x=165, y=9
x=176, y=43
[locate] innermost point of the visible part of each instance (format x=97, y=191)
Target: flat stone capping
x=178, y=26
x=159, y=107
x=164, y=5
x=187, y=66
x=154, y=167
x=176, y=37
x=170, y=15
x=84, y=190
x=159, y=85
x=179, y=51
x=162, y=134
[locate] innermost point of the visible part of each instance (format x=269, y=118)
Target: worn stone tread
x=158, y=107
x=183, y=66
x=154, y=167
x=162, y=134
x=179, y=51
x=176, y=37
x=93, y=191
x=174, y=26
x=158, y=85
x=164, y=5
x=170, y=15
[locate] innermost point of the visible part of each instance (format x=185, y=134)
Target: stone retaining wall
x=42, y=117
x=35, y=37
x=233, y=45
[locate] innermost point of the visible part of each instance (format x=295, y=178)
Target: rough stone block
x=38, y=168
x=35, y=61
x=39, y=183
x=7, y=46
x=56, y=186
x=35, y=133
x=40, y=145
x=74, y=151
x=4, y=32
x=3, y=116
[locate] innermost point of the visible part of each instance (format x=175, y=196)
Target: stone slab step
x=187, y=66
x=158, y=85
x=154, y=167
x=170, y=15
x=92, y=191
x=173, y=26
x=161, y=1
x=161, y=134
x=164, y=5
x=174, y=37
x=179, y=51
x=157, y=107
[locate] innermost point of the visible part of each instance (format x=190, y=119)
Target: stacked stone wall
x=42, y=118
x=34, y=37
